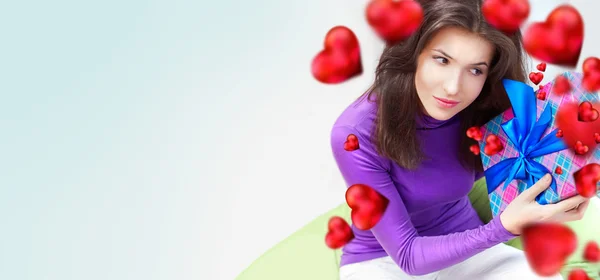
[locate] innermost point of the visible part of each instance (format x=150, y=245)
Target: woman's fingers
x=567, y=204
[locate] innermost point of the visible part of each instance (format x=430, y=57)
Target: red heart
x=558, y=170
x=338, y=234
x=559, y=39
x=536, y=77
x=474, y=149
x=578, y=274
x=574, y=130
x=592, y=252
x=541, y=66
x=547, y=246
x=597, y=137
x=580, y=149
x=394, y=20
x=586, y=179
x=587, y=112
x=367, y=206
x=559, y=133
x=493, y=145
x=561, y=85
x=591, y=74
x=340, y=59
x=541, y=95
x=475, y=133
x=505, y=15
x=351, y=143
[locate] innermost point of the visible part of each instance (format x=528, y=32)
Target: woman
x=413, y=150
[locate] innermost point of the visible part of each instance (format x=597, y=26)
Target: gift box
x=527, y=132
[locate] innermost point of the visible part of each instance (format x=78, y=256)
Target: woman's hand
x=524, y=210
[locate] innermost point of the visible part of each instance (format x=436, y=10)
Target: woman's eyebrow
x=450, y=57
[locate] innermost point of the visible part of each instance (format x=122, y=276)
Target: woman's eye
x=476, y=72
x=441, y=60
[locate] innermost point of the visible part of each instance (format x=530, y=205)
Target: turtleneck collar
x=427, y=122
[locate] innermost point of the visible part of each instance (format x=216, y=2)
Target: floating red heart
x=578, y=274
x=339, y=233
x=351, y=143
x=597, y=137
x=475, y=133
x=394, y=20
x=574, y=130
x=591, y=74
x=559, y=133
x=541, y=95
x=587, y=112
x=367, y=206
x=591, y=252
x=474, y=149
x=547, y=246
x=586, y=179
x=558, y=170
x=340, y=59
x=493, y=145
x=506, y=16
x=536, y=77
x=541, y=66
x=580, y=149
x=561, y=85
x=559, y=39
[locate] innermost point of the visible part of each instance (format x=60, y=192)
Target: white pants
x=499, y=262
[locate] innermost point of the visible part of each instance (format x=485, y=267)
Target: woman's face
x=451, y=71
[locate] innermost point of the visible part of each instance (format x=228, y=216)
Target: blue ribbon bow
x=525, y=133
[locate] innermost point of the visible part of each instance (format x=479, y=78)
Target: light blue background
x=169, y=139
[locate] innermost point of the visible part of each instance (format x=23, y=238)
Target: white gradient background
x=171, y=139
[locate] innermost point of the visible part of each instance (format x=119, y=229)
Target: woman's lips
x=445, y=103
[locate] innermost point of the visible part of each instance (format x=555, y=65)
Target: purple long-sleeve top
x=429, y=223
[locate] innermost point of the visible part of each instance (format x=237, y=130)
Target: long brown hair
x=396, y=95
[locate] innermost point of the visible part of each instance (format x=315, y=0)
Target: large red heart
x=559, y=39
x=506, y=15
x=591, y=74
x=592, y=252
x=338, y=234
x=573, y=129
x=561, y=85
x=340, y=59
x=587, y=112
x=586, y=179
x=578, y=274
x=547, y=246
x=394, y=20
x=536, y=77
x=493, y=145
x=367, y=206
x=351, y=143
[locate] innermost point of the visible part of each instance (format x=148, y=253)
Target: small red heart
x=567, y=120
x=580, y=149
x=475, y=133
x=559, y=133
x=597, y=137
x=394, y=20
x=547, y=246
x=592, y=252
x=474, y=149
x=591, y=74
x=367, y=206
x=506, y=16
x=561, y=85
x=587, y=112
x=559, y=39
x=558, y=170
x=541, y=95
x=586, y=179
x=493, y=145
x=340, y=59
x=351, y=143
x=536, y=77
x=541, y=66
x=578, y=274
x=338, y=234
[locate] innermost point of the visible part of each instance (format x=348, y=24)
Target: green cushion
x=303, y=255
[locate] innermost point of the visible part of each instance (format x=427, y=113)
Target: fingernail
x=547, y=177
